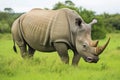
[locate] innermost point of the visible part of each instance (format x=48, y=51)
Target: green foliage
x=99, y=30
x=6, y=20
x=66, y=4
x=98, y=33
x=87, y=15
x=114, y=20
x=48, y=66
x=107, y=23
x=4, y=27
x=110, y=22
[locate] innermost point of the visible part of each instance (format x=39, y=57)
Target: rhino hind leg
x=23, y=50
x=62, y=48
x=26, y=53
x=31, y=51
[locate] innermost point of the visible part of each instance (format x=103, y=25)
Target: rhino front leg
x=62, y=48
x=76, y=59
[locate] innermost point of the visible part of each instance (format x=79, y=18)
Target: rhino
x=56, y=30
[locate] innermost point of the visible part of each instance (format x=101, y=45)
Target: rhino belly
x=38, y=41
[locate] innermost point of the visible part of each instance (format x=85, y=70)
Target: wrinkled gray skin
x=56, y=30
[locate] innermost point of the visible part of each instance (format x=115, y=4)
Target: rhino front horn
x=100, y=49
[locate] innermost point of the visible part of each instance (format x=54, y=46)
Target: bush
x=4, y=27
x=6, y=20
x=98, y=33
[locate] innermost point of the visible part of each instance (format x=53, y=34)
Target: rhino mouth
x=91, y=59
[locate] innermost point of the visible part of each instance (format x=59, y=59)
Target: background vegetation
x=48, y=66
x=107, y=23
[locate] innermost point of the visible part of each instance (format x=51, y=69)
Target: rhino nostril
x=92, y=60
x=89, y=59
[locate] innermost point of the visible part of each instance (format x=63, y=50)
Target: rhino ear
x=78, y=21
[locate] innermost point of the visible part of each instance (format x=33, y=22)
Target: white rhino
x=56, y=30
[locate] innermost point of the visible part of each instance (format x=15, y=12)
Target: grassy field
x=49, y=67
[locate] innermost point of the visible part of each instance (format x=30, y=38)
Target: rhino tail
x=14, y=46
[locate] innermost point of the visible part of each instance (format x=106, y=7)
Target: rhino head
x=85, y=46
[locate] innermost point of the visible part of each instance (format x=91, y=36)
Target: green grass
x=48, y=66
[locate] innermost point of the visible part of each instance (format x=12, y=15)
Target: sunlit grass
x=48, y=66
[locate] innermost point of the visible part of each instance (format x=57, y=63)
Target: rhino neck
x=60, y=31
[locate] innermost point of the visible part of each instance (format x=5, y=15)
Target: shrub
x=98, y=33
x=4, y=27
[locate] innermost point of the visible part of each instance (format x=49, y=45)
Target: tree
x=9, y=10
x=69, y=3
x=58, y=6
x=114, y=20
x=6, y=20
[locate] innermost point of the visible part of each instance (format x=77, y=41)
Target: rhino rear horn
x=100, y=49
x=94, y=43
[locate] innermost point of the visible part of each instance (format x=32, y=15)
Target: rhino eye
x=84, y=45
x=78, y=21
